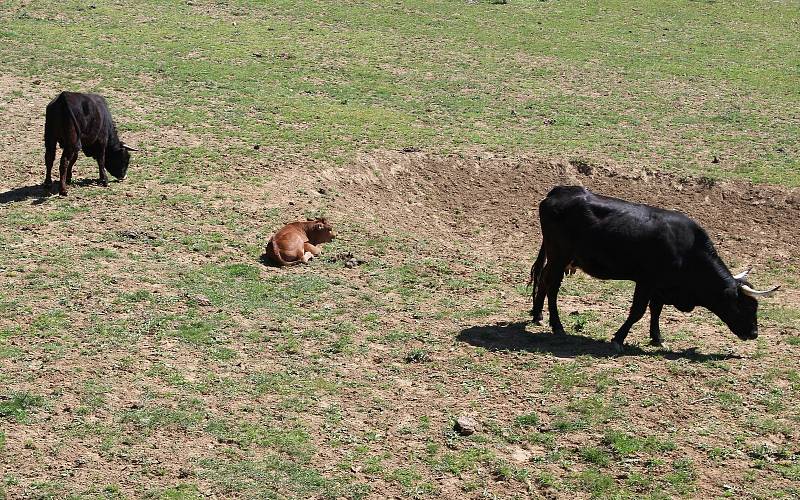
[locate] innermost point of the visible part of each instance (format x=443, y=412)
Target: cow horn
x=742, y=275
x=129, y=148
x=757, y=294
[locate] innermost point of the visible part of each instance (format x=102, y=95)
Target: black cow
x=668, y=255
x=82, y=122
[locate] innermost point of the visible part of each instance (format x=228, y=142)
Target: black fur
x=82, y=122
x=668, y=255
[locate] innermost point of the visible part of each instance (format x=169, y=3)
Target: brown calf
x=298, y=242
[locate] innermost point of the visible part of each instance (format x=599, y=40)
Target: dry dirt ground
x=159, y=357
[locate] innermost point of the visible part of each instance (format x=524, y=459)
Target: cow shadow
x=38, y=193
x=515, y=337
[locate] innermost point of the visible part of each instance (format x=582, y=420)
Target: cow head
x=739, y=307
x=319, y=231
x=117, y=160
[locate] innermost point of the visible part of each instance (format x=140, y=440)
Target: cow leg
x=62, y=174
x=296, y=256
x=70, y=162
x=49, y=158
x=101, y=164
x=655, y=332
x=553, y=274
x=314, y=250
x=542, y=287
x=641, y=296
x=66, y=158
x=69, y=169
x=538, y=303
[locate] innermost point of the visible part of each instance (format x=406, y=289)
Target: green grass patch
x=241, y=286
x=370, y=76
x=17, y=406
x=527, y=420
x=272, y=476
x=564, y=376
x=293, y=441
x=594, y=455
x=624, y=444
x=179, y=492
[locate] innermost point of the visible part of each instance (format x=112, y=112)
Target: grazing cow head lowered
x=738, y=306
x=82, y=122
x=299, y=242
x=117, y=160
x=669, y=257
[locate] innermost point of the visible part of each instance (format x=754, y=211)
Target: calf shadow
x=267, y=261
x=514, y=337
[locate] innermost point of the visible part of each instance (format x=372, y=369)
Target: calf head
x=117, y=160
x=319, y=231
x=738, y=307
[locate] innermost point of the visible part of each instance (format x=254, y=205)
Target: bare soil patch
x=396, y=398
x=483, y=200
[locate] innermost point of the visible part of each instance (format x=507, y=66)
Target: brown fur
x=299, y=242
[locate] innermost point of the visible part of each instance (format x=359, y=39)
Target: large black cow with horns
x=82, y=122
x=668, y=255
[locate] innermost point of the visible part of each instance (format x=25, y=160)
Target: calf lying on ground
x=299, y=242
x=668, y=255
x=82, y=122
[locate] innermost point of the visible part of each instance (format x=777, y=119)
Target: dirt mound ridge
x=487, y=199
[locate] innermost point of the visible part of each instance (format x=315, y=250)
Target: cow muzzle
x=752, y=335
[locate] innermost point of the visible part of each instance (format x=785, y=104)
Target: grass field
x=670, y=84
x=146, y=352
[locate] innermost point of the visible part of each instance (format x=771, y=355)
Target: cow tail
x=74, y=120
x=536, y=269
x=49, y=140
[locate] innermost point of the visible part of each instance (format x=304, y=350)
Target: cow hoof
x=558, y=330
x=62, y=193
x=656, y=343
x=617, y=347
